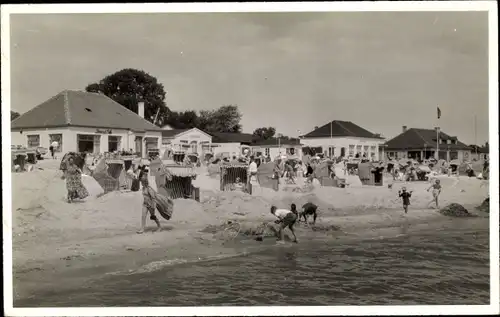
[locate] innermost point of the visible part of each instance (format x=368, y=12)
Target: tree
x=225, y=119
x=182, y=120
x=129, y=86
x=264, y=133
x=14, y=115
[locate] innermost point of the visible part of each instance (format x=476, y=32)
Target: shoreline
x=54, y=241
x=202, y=247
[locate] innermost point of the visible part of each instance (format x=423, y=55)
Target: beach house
x=231, y=144
x=85, y=122
x=423, y=144
x=343, y=139
x=186, y=140
x=480, y=152
x=274, y=147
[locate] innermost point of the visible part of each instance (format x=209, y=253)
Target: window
x=85, y=143
x=351, y=150
x=113, y=143
x=97, y=144
x=166, y=141
x=267, y=151
x=59, y=139
x=290, y=151
x=33, y=140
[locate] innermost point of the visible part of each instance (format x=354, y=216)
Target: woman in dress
x=74, y=184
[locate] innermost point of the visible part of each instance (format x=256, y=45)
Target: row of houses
x=83, y=121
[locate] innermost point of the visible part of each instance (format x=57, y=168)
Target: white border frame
x=489, y=6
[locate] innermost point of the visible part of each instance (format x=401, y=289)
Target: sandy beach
x=53, y=239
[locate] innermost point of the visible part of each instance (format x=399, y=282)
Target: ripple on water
x=444, y=267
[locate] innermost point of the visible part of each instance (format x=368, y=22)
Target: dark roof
x=480, y=149
x=84, y=109
x=421, y=138
x=219, y=137
x=275, y=142
x=173, y=132
x=341, y=128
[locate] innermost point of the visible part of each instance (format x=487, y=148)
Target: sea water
x=424, y=267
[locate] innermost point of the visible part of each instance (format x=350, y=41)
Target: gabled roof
x=219, y=137
x=172, y=133
x=275, y=142
x=339, y=128
x=177, y=132
x=421, y=138
x=83, y=109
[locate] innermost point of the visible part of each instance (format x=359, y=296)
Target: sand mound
x=455, y=210
x=231, y=230
x=485, y=206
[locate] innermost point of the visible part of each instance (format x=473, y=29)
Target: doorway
x=342, y=152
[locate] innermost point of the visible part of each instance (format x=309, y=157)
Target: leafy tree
x=129, y=86
x=14, y=115
x=225, y=119
x=264, y=133
x=182, y=119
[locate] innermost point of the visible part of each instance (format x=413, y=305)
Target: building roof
x=173, y=132
x=422, y=138
x=219, y=137
x=275, y=142
x=338, y=128
x=480, y=149
x=83, y=109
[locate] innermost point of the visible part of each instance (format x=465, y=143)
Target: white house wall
x=193, y=136
x=340, y=142
x=69, y=137
x=233, y=148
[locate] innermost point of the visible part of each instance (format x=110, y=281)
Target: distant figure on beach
x=149, y=203
x=252, y=169
x=74, y=184
x=308, y=209
x=406, y=198
x=53, y=148
x=436, y=190
x=286, y=218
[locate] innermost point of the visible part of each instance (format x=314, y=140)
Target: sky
x=292, y=71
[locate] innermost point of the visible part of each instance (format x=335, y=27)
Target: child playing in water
x=149, y=203
x=436, y=190
x=286, y=218
x=406, y=198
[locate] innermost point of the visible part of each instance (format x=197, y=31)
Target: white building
x=186, y=140
x=231, y=144
x=85, y=122
x=344, y=139
x=278, y=147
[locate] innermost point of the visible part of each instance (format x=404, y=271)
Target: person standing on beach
x=286, y=218
x=149, y=203
x=436, y=190
x=406, y=198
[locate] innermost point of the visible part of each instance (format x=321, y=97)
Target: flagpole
x=475, y=134
x=331, y=137
x=437, y=135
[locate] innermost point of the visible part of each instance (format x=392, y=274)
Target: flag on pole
x=439, y=112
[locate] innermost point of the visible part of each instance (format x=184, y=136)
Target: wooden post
x=222, y=178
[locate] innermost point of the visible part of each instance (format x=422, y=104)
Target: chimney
x=140, y=109
x=405, y=128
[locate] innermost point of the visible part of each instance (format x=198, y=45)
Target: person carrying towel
x=149, y=203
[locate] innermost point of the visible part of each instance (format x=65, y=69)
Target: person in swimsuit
x=286, y=218
x=149, y=203
x=436, y=191
x=406, y=198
